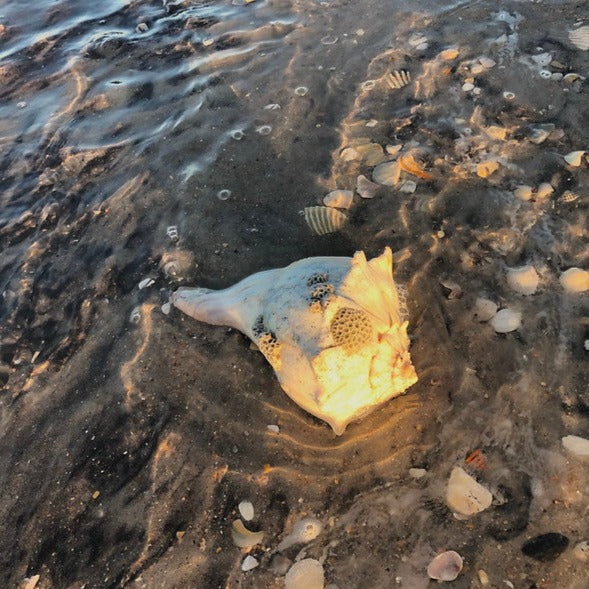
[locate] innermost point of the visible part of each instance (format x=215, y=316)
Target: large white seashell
x=524, y=280
x=446, y=566
x=580, y=37
x=465, y=496
x=324, y=220
x=303, y=531
x=331, y=327
x=506, y=320
x=575, y=280
x=305, y=574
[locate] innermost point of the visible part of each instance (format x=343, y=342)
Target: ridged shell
x=580, y=38
x=398, y=79
x=324, y=220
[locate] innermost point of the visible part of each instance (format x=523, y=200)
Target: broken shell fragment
x=506, y=320
x=303, y=531
x=485, y=169
x=371, y=154
x=574, y=158
x=246, y=509
x=576, y=445
x=523, y=192
x=544, y=191
x=575, y=280
x=323, y=220
x=365, y=188
x=446, y=566
x=484, y=309
x=524, y=280
x=580, y=38
x=305, y=574
x=487, y=62
x=464, y=496
x=249, y=563
x=349, y=154
x=387, y=174
x=339, y=199
x=398, y=79
x=244, y=538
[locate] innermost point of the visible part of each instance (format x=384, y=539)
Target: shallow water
x=128, y=436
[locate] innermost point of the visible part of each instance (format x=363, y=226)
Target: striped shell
x=398, y=79
x=324, y=220
x=580, y=38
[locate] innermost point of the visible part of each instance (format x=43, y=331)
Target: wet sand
x=129, y=436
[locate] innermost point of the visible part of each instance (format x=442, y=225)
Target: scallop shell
x=305, y=574
x=580, y=37
x=324, y=220
x=575, y=280
x=506, y=320
x=398, y=79
x=244, y=538
x=445, y=566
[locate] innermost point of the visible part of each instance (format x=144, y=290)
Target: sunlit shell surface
x=398, y=79
x=331, y=327
x=580, y=37
x=324, y=220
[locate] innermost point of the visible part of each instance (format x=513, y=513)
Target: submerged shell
x=305, y=574
x=576, y=445
x=575, y=280
x=580, y=38
x=246, y=510
x=331, y=327
x=524, y=280
x=303, y=531
x=574, y=158
x=464, y=496
x=484, y=309
x=506, y=320
x=446, y=566
x=398, y=79
x=544, y=191
x=388, y=173
x=244, y=538
x=339, y=199
x=365, y=188
x=323, y=220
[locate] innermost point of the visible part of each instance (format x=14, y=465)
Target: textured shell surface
x=332, y=328
x=580, y=37
x=323, y=220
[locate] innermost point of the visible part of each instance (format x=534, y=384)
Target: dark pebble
x=546, y=547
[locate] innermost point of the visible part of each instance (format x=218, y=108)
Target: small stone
x=575, y=280
x=544, y=191
x=483, y=577
x=576, y=445
x=449, y=54
x=142, y=27
x=365, y=188
x=387, y=173
x=31, y=582
x=485, y=169
x=506, y=320
x=464, y=496
x=273, y=428
x=581, y=551
x=523, y=192
x=417, y=473
x=556, y=76
x=305, y=574
x=409, y=186
x=339, y=199
x=574, y=158
x=246, y=509
x=468, y=87
x=166, y=308
x=371, y=123
x=546, y=547
x=524, y=280
x=487, y=62
x=477, y=69
x=484, y=309
x=249, y=563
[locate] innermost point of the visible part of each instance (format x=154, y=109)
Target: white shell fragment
x=506, y=320
x=303, y=531
x=387, y=173
x=371, y=153
x=349, y=154
x=544, y=191
x=484, y=309
x=575, y=280
x=409, y=186
x=523, y=192
x=524, y=280
x=576, y=445
x=581, y=551
x=574, y=158
x=446, y=566
x=305, y=574
x=249, y=563
x=417, y=473
x=398, y=79
x=365, y=188
x=323, y=220
x=146, y=283
x=487, y=62
x=580, y=38
x=464, y=496
x=244, y=538
x=339, y=199
x=246, y=509
x=273, y=428
x=331, y=327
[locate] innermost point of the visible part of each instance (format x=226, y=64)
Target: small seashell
x=540, y=133
x=417, y=39
x=31, y=582
x=135, y=316
x=142, y=27
x=244, y=538
x=556, y=76
x=544, y=191
x=303, y=531
x=371, y=154
x=371, y=123
x=365, y=188
x=172, y=232
x=249, y=563
x=368, y=85
x=329, y=40
x=546, y=74
x=445, y=567
x=487, y=62
x=237, y=134
x=166, y=308
x=580, y=38
x=409, y=186
x=349, y=154
x=485, y=169
x=387, y=174
x=483, y=577
x=272, y=106
x=301, y=90
x=467, y=87
x=417, y=473
x=523, y=192
x=145, y=283
x=576, y=445
x=476, y=69
x=506, y=320
x=574, y=158
x=581, y=551
x=393, y=149
x=449, y=54
x=542, y=59
x=323, y=220
x=224, y=194
x=464, y=496
x=305, y=574
x=246, y=509
x=398, y=79
x=22, y=104
x=508, y=95
x=264, y=130
x=571, y=78
x=575, y=280
x=569, y=196
x=340, y=199
x=484, y=309
x=273, y=428
x=524, y=280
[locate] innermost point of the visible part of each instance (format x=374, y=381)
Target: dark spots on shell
x=317, y=278
x=258, y=327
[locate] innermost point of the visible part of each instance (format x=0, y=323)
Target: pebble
x=349, y=154
x=305, y=574
x=506, y=320
x=485, y=169
x=387, y=174
x=484, y=309
x=464, y=496
x=544, y=191
x=246, y=509
x=365, y=188
x=575, y=280
x=468, y=87
x=409, y=186
x=446, y=566
x=166, y=308
x=449, y=54
x=273, y=428
x=524, y=280
x=417, y=473
x=576, y=445
x=487, y=62
x=574, y=158
x=340, y=199
x=523, y=192
x=581, y=551
x=546, y=547
x=249, y=563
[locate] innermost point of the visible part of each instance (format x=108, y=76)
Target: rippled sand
x=128, y=436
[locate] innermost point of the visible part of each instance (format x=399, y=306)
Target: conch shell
x=331, y=327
